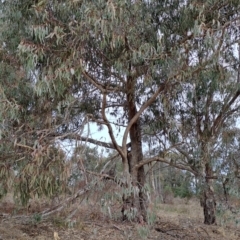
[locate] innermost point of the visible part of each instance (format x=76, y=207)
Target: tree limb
x=218, y=120
x=110, y=131
x=137, y=115
x=163, y=160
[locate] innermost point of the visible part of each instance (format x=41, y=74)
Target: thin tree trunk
x=225, y=182
x=152, y=177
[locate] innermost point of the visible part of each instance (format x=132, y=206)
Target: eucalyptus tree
x=210, y=108
x=201, y=108
x=228, y=165
x=204, y=109
x=115, y=63
x=27, y=168
x=202, y=117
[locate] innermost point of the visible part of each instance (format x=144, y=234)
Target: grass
x=179, y=209
x=179, y=217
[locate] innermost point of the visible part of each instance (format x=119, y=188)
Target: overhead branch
x=93, y=81
x=184, y=153
x=225, y=109
x=97, y=84
x=76, y=136
x=168, y=162
x=96, y=142
x=110, y=131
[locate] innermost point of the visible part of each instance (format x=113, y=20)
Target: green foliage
x=42, y=175
x=85, y=160
x=176, y=183
x=143, y=232
x=182, y=191
x=167, y=70
x=36, y=218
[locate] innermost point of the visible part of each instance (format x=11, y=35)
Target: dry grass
x=181, y=210
x=181, y=219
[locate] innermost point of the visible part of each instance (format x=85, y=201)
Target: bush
x=182, y=191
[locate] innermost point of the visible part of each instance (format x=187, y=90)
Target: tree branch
x=163, y=160
x=110, y=131
x=97, y=84
x=96, y=142
x=184, y=153
x=218, y=120
x=137, y=115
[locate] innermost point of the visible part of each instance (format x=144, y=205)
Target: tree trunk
x=208, y=199
x=135, y=205
x=225, y=191
x=136, y=202
x=209, y=205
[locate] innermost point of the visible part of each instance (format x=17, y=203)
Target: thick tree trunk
x=136, y=202
x=209, y=205
x=208, y=199
x=135, y=205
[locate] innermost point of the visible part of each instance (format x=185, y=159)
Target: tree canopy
x=166, y=72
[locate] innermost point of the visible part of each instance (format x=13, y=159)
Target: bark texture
x=137, y=201
x=208, y=198
x=209, y=206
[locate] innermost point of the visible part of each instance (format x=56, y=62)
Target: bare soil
x=179, y=220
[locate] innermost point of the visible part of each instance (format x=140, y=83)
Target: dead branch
x=60, y=206
x=167, y=231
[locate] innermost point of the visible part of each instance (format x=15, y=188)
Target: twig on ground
x=205, y=231
x=118, y=228
x=60, y=206
x=168, y=231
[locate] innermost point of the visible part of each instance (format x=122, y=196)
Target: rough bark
x=209, y=205
x=225, y=182
x=208, y=198
x=137, y=200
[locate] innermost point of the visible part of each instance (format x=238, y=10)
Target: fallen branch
x=79, y=193
x=60, y=206
x=168, y=232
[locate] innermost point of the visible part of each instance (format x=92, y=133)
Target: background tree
x=203, y=105
x=209, y=111
x=227, y=167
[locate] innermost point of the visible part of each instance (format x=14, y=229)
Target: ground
x=180, y=219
